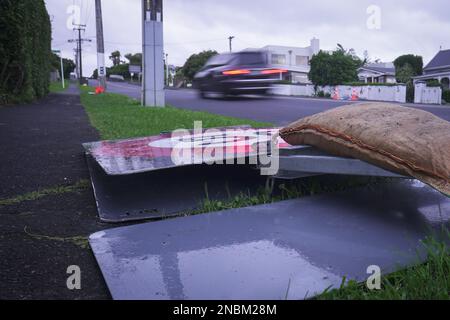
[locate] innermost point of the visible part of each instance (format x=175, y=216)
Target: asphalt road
x=277, y=110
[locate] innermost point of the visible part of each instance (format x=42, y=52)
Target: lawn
x=116, y=116
x=57, y=86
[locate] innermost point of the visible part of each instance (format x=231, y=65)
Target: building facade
x=296, y=60
x=377, y=73
x=437, y=69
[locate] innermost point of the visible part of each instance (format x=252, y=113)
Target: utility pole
x=77, y=71
x=167, y=69
x=62, y=67
x=152, y=54
x=230, y=39
x=79, y=41
x=100, y=45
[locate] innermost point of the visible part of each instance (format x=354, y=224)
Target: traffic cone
x=99, y=90
x=354, y=95
x=336, y=94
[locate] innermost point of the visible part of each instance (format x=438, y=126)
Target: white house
x=438, y=68
x=293, y=59
x=377, y=73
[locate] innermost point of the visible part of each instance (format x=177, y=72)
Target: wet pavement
x=40, y=148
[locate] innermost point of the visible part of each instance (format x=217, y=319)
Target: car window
x=219, y=60
x=251, y=58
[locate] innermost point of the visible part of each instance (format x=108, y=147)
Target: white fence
x=376, y=93
x=429, y=95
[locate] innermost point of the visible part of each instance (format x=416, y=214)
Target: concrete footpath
x=47, y=209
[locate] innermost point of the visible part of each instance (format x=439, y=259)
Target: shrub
x=410, y=92
x=361, y=84
x=446, y=95
x=25, y=50
x=433, y=83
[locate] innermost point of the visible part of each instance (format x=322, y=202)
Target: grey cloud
x=407, y=26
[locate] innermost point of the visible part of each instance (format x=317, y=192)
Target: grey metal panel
x=291, y=249
x=332, y=165
x=168, y=192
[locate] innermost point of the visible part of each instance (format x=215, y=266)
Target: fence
x=429, y=95
x=395, y=93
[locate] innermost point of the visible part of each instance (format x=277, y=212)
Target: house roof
x=442, y=58
x=388, y=71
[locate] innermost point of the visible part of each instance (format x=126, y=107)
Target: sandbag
x=404, y=140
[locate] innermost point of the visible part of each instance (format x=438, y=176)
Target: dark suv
x=245, y=72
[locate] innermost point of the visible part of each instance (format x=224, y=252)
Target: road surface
x=277, y=110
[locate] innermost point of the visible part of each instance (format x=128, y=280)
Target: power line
x=230, y=39
x=79, y=42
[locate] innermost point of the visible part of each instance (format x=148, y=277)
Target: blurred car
x=116, y=77
x=245, y=72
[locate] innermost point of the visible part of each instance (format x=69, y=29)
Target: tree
x=416, y=62
x=115, y=57
x=404, y=74
x=334, y=68
x=68, y=65
x=135, y=59
x=366, y=59
x=195, y=62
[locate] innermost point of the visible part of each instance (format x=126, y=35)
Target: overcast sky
x=402, y=26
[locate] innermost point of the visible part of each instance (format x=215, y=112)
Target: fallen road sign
x=287, y=250
x=167, y=174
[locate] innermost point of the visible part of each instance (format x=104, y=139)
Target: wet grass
x=424, y=281
x=35, y=195
x=117, y=116
x=289, y=190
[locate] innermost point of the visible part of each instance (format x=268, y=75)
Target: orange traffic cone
x=336, y=94
x=354, y=95
x=99, y=90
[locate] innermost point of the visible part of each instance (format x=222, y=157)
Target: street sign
x=134, y=69
x=285, y=250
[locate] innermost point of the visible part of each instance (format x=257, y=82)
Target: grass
x=116, y=116
x=35, y=195
x=289, y=190
x=429, y=280
x=57, y=86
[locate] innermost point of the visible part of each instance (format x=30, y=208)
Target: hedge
x=25, y=50
x=446, y=95
x=365, y=84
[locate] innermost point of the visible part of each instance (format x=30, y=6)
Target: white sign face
x=102, y=72
x=134, y=69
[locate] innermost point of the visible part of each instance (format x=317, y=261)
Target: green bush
x=410, y=92
x=362, y=84
x=25, y=50
x=433, y=83
x=446, y=95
